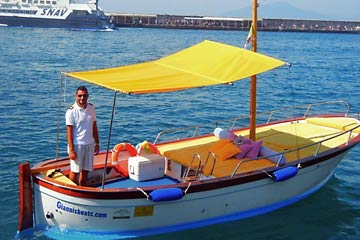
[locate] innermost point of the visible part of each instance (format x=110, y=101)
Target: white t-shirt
x=82, y=121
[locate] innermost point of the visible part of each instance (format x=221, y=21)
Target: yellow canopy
x=206, y=63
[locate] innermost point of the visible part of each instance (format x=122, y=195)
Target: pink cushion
x=244, y=148
x=255, y=148
x=232, y=136
x=247, y=141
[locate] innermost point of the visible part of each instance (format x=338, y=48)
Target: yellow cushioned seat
x=341, y=123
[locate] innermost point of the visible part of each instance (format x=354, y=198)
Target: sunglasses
x=82, y=95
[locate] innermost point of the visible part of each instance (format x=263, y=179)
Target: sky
x=316, y=9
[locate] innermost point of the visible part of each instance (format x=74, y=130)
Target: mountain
x=277, y=10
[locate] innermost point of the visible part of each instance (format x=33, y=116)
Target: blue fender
x=284, y=173
x=166, y=194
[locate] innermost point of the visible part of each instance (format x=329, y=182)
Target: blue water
x=324, y=67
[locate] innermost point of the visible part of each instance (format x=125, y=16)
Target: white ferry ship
x=74, y=14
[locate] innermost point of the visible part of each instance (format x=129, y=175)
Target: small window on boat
x=24, y=1
x=47, y=2
x=80, y=12
x=36, y=1
x=54, y=2
x=42, y=2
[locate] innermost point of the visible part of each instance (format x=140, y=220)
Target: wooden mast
x=253, y=78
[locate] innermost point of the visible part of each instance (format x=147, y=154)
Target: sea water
x=324, y=67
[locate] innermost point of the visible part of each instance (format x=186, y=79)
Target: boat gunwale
x=199, y=185
x=196, y=186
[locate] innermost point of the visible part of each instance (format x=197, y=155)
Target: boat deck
x=301, y=135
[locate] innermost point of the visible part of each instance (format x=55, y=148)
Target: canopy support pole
x=253, y=78
x=108, y=143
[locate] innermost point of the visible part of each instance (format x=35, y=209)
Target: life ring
x=122, y=147
x=147, y=147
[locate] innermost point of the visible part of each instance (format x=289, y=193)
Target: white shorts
x=84, y=158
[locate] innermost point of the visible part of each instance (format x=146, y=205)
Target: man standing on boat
x=82, y=136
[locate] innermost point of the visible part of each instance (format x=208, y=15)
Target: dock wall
x=231, y=23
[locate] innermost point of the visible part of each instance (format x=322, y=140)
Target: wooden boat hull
x=220, y=200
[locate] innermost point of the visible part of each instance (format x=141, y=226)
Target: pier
x=232, y=23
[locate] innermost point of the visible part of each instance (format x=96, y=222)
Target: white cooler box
x=147, y=167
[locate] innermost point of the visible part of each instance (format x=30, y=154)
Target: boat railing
x=190, y=173
x=305, y=110
x=316, y=152
x=213, y=157
x=308, y=108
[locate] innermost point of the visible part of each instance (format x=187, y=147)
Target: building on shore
x=232, y=23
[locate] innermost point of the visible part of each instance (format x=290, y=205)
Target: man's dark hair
x=82, y=88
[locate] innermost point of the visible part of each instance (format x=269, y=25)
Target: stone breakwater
x=232, y=23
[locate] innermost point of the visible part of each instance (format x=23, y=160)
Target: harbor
x=33, y=73
x=231, y=23
x=204, y=128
